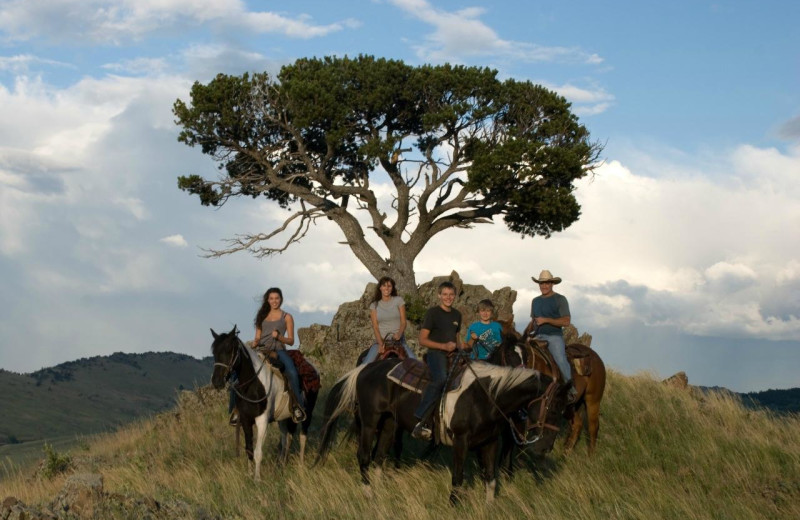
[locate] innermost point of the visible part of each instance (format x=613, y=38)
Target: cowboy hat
x=546, y=276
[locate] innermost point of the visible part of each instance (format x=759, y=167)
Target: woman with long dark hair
x=388, y=315
x=274, y=332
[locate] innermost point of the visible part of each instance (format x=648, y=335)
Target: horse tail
x=341, y=398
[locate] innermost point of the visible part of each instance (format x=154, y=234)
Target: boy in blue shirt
x=485, y=333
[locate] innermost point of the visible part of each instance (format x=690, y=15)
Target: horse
x=260, y=396
x=588, y=385
x=589, y=388
x=474, y=414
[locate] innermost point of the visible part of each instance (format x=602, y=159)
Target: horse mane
x=503, y=378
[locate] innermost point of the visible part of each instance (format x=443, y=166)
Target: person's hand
x=450, y=346
x=381, y=347
x=396, y=336
x=473, y=336
x=540, y=320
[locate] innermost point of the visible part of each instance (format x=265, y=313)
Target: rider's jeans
x=555, y=343
x=437, y=365
x=372, y=355
x=291, y=374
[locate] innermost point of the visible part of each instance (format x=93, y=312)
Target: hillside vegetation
x=662, y=453
x=94, y=394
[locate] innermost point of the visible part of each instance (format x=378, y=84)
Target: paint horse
x=474, y=414
x=261, y=396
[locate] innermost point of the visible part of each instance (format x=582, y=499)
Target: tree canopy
x=458, y=145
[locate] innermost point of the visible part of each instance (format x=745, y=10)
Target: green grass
x=662, y=453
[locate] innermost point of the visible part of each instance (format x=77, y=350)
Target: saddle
x=414, y=375
x=392, y=348
x=578, y=355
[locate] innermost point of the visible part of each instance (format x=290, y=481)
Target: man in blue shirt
x=550, y=313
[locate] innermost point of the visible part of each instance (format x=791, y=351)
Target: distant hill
x=781, y=401
x=94, y=394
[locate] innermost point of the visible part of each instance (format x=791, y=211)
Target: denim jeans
x=372, y=355
x=437, y=365
x=555, y=344
x=291, y=374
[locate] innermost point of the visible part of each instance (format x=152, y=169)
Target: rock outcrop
x=350, y=331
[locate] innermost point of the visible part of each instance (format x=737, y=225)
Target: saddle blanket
x=309, y=376
x=413, y=374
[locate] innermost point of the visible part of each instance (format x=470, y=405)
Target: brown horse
x=588, y=375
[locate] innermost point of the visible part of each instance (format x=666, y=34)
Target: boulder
x=80, y=495
x=679, y=380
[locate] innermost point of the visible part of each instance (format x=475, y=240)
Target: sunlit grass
x=662, y=453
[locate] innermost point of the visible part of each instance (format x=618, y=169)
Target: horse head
x=544, y=414
x=225, y=350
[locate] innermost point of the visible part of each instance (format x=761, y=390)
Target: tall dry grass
x=662, y=453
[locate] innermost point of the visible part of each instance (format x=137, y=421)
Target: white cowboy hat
x=546, y=276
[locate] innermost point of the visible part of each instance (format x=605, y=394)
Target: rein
x=546, y=398
x=240, y=385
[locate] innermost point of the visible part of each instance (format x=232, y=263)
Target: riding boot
x=573, y=392
x=234, y=418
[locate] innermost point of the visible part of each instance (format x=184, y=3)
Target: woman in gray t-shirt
x=388, y=315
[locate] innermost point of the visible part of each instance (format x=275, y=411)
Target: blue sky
x=686, y=257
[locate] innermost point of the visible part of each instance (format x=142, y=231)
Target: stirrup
x=298, y=414
x=422, y=432
x=233, y=420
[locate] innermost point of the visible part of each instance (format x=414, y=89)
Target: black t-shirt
x=443, y=325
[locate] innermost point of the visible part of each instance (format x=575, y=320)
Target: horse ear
x=214, y=333
x=235, y=330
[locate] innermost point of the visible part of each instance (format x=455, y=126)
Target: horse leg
x=238, y=431
x=398, y=446
x=488, y=458
x=459, y=458
x=247, y=428
x=575, y=419
x=593, y=416
x=286, y=439
x=385, y=441
x=261, y=432
x=507, y=451
x=368, y=426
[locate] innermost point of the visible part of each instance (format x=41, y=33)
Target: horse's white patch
x=449, y=405
x=501, y=378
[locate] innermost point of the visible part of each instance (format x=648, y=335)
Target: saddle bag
x=580, y=359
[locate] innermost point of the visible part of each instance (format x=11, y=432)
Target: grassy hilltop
x=662, y=453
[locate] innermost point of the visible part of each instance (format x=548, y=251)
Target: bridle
x=545, y=400
x=229, y=368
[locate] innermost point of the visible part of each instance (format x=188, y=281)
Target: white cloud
x=586, y=101
x=175, y=241
x=116, y=21
x=461, y=34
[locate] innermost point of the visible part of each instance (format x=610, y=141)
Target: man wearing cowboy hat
x=549, y=315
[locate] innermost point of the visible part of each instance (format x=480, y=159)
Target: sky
x=686, y=256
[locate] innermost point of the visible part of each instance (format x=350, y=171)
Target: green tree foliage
x=458, y=145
